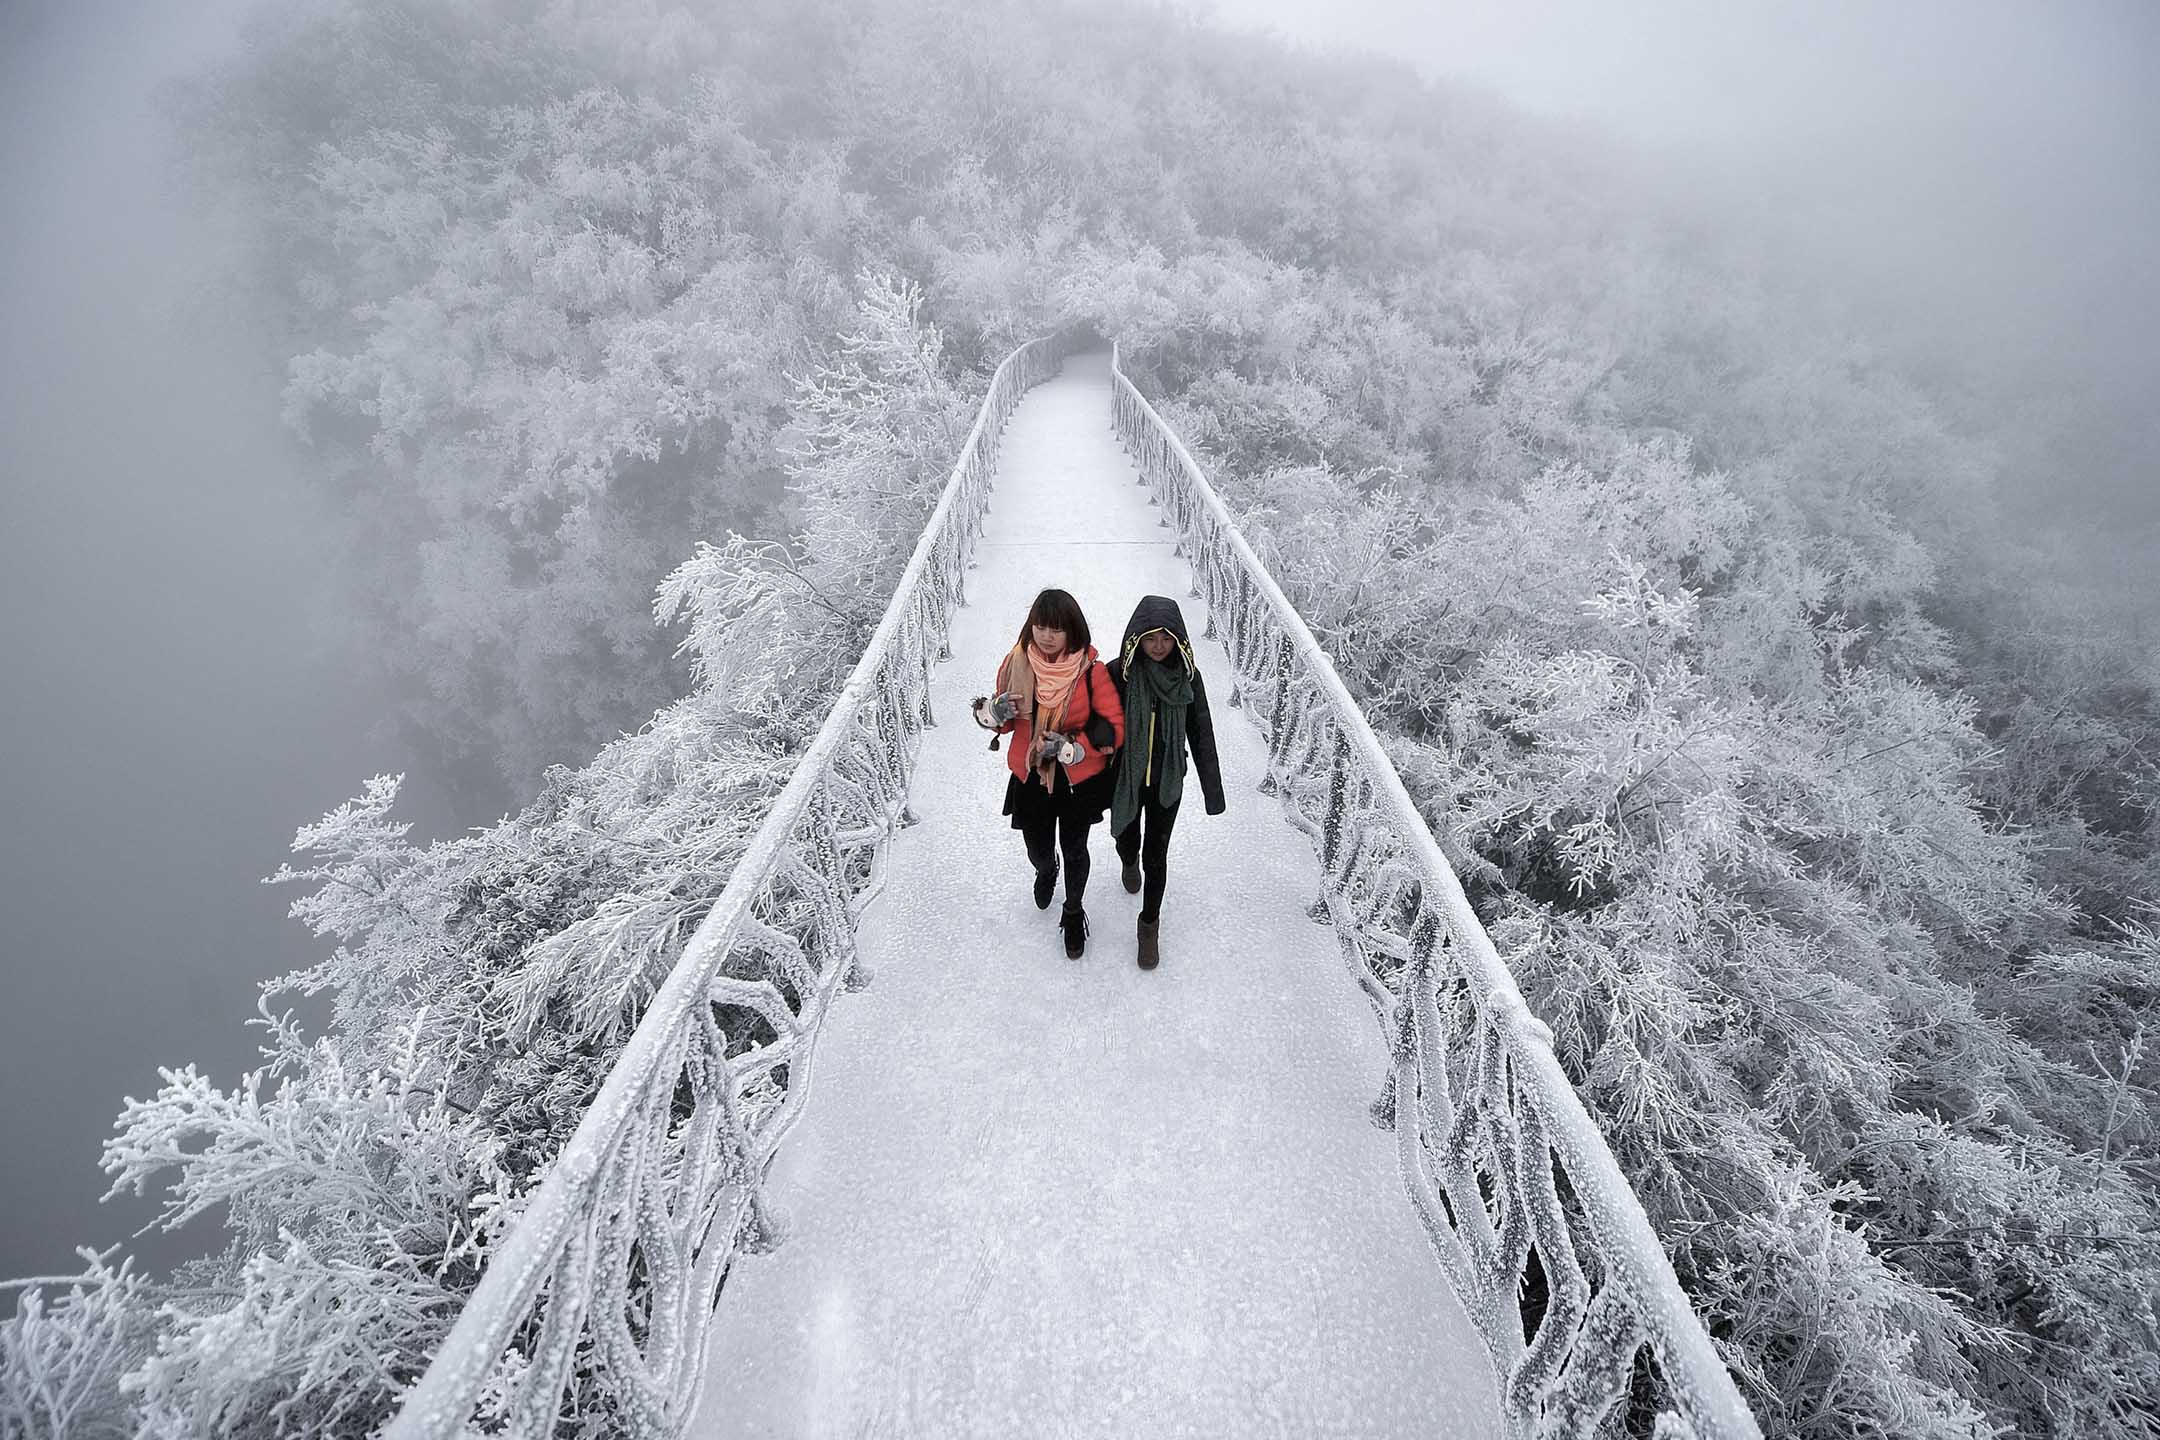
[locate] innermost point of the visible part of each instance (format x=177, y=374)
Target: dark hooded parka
x=1146, y=746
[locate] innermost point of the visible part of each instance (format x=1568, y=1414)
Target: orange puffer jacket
x=1092, y=694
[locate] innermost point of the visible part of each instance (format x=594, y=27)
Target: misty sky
x=1995, y=162
x=165, y=723
x=166, y=718
x=1793, y=74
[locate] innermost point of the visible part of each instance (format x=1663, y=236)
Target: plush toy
x=992, y=711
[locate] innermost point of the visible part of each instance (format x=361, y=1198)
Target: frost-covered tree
x=61, y=1362
x=872, y=442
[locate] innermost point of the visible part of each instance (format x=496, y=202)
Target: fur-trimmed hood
x=1156, y=612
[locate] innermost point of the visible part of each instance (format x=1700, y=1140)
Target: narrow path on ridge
x=1043, y=1197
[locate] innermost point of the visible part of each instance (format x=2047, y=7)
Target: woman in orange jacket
x=1056, y=701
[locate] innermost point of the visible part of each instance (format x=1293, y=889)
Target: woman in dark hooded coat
x=1165, y=716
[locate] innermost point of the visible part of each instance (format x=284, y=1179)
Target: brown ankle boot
x=1150, y=956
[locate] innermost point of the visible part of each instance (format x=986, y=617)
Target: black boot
x=1131, y=875
x=1074, y=924
x=1150, y=956
x=1045, y=886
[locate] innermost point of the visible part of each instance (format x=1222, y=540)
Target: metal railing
x=1509, y=1176
x=615, y=1266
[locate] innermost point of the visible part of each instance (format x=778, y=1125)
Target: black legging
x=1153, y=851
x=1072, y=836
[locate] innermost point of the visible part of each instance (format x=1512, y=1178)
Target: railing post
x=923, y=625
x=1207, y=567
x=1278, y=724
x=1338, y=784
x=1241, y=622
x=1331, y=827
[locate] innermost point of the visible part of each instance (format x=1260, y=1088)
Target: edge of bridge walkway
x=1067, y=1198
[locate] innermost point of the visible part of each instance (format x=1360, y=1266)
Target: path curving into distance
x=1036, y=1197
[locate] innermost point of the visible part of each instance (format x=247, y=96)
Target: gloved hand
x=1064, y=749
x=992, y=711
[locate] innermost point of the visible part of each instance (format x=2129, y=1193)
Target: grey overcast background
x=167, y=719
x=1987, y=169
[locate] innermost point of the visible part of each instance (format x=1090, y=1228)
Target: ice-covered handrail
x=1525, y=1206
x=615, y=1266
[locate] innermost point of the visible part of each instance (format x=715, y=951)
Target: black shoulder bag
x=1101, y=734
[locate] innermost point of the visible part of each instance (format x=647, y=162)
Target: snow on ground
x=1042, y=1197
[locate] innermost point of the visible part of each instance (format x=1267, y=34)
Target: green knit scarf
x=1157, y=700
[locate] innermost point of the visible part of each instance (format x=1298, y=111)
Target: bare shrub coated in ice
x=62, y=1358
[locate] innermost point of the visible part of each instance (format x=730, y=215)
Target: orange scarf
x=1043, y=689
x=1054, y=678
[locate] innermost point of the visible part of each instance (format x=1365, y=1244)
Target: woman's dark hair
x=1057, y=610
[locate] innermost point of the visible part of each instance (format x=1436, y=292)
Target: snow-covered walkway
x=1038, y=1197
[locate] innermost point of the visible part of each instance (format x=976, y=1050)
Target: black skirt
x=1083, y=804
